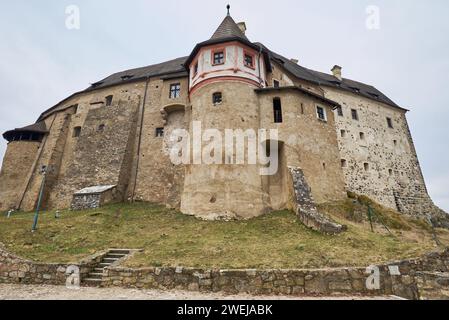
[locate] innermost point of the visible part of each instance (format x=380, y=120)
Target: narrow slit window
x=76, y=132
x=340, y=111
x=355, y=114
x=109, y=100
x=362, y=136
x=390, y=123
x=277, y=109
x=159, y=132
x=344, y=163
x=366, y=166
x=343, y=133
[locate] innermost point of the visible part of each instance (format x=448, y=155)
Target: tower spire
x=229, y=8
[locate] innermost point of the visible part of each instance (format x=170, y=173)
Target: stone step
x=95, y=282
x=115, y=255
x=119, y=251
x=104, y=264
x=110, y=260
x=98, y=270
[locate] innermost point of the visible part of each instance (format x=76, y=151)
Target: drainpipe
x=258, y=63
x=140, y=139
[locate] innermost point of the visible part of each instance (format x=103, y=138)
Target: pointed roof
x=228, y=29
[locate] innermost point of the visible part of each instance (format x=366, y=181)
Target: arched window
x=277, y=109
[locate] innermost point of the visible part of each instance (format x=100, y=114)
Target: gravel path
x=41, y=292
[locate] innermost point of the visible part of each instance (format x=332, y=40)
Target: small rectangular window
x=276, y=84
x=366, y=166
x=343, y=133
x=390, y=123
x=355, y=115
x=277, y=109
x=321, y=113
x=362, y=136
x=217, y=98
x=109, y=100
x=219, y=57
x=340, y=111
x=76, y=132
x=159, y=132
x=175, y=90
x=343, y=163
x=249, y=60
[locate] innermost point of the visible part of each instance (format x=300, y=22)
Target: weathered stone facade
x=117, y=132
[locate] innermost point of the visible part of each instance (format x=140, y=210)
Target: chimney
x=242, y=27
x=336, y=70
x=294, y=61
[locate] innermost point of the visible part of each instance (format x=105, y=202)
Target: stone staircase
x=95, y=277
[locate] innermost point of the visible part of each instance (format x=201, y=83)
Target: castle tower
x=224, y=73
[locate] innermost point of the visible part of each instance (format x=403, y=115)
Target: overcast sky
x=43, y=62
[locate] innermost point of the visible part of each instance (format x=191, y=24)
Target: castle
x=110, y=142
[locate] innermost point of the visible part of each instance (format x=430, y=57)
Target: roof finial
x=229, y=8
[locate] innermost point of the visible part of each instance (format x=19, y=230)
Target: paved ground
x=40, y=292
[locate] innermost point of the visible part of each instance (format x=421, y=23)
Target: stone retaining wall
x=402, y=278
x=17, y=270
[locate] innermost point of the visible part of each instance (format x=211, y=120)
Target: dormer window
x=126, y=77
x=249, y=60
x=321, y=113
x=218, y=57
x=276, y=84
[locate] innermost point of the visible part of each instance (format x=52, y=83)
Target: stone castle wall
x=14, y=173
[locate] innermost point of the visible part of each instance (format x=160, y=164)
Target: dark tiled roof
x=38, y=127
x=176, y=68
x=228, y=29
x=156, y=70
x=325, y=79
x=302, y=90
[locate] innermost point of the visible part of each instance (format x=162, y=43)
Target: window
x=324, y=166
x=321, y=113
x=395, y=142
x=276, y=84
x=219, y=58
x=195, y=69
x=362, y=136
x=75, y=106
x=175, y=90
x=302, y=108
x=217, y=98
x=249, y=60
x=159, y=132
x=355, y=115
x=390, y=172
x=343, y=133
x=344, y=163
x=277, y=109
x=366, y=166
x=109, y=100
x=76, y=132
x=390, y=123
x=340, y=111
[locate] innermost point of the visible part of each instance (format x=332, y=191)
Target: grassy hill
x=276, y=240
